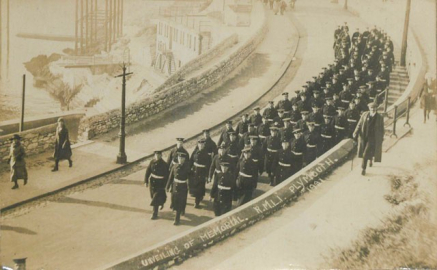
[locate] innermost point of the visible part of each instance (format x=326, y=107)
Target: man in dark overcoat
x=200, y=162
x=62, y=145
x=370, y=129
x=17, y=162
x=222, y=190
x=156, y=179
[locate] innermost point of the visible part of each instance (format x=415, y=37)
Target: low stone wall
x=198, y=62
x=187, y=244
x=98, y=124
x=35, y=141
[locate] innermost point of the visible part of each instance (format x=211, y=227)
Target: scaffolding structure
x=98, y=24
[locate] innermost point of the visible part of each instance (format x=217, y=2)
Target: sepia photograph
x=218, y=134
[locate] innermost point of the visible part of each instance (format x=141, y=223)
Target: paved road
x=93, y=228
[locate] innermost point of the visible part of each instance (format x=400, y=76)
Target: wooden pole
x=1, y=39
x=91, y=19
x=86, y=26
x=81, y=27
x=114, y=11
x=95, y=20
x=7, y=39
x=405, y=35
x=110, y=24
x=22, y=103
x=106, y=25
x=121, y=18
x=76, y=28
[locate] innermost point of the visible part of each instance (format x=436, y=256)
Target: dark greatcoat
x=179, y=191
x=221, y=191
x=17, y=162
x=247, y=180
x=62, y=144
x=365, y=142
x=157, y=174
x=200, y=163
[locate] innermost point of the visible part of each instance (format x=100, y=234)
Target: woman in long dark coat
x=427, y=101
x=17, y=162
x=62, y=145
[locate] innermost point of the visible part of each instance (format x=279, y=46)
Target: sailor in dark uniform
x=246, y=137
x=312, y=140
x=284, y=104
x=247, y=179
x=278, y=120
x=178, y=185
x=156, y=179
x=256, y=117
x=345, y=96
x=233, y=150
x=282, y=164
x=340, y=125
x=257, y=153
x=224, y=135
x=298, y=148
x=352, y=116
x=173, y=157
x=243, y=125
x=295, y=115
x=200, y=162
x=296, y=98
x=287, y=131
x=317, y=99
x=327, y=135
x=329, y=108
x=304, y=104
x=263, y=130
x=222, y=190
x=210, y=146
x=302, y=123
x=271, y=147
x=336, y=101
x=316, y=117
x=270, y=112
x=217, y=160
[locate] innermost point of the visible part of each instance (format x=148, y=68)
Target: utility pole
x=122, y=158
x=1, y=39
x=7, y=39
x=22, y=103
x=405, y=35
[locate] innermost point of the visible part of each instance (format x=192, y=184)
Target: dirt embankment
x=408, y=236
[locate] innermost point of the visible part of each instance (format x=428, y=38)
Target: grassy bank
x=407, y=237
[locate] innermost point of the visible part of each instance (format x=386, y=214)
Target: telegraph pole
x=122, y=158
x=405, y=35
x=22, y=103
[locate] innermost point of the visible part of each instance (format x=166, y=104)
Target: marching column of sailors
x=284, y=138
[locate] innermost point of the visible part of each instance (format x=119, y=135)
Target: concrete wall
x=187, y=244
x=167, y=97
x=35, y=141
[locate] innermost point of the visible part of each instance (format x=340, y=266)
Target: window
x=189, y=41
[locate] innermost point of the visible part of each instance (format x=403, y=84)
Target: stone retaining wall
x=102, y=123
x=189, y=243
x=198, y=62
x=35, y=141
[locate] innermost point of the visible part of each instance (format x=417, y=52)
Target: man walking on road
x=371, y=131
x=156, y=175
x=178, y=186
x=62, y=145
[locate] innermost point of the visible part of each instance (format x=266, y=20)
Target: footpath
x=96, y=157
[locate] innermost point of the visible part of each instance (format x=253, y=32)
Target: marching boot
x=56, y=166
x=197, y=203
x=177, y=219
x=370, y=163
x=155, y=213
x=70, y=163
x=363, y=172
x=15, y=186
x=25, y=181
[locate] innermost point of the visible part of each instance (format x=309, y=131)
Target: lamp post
x=121, y=157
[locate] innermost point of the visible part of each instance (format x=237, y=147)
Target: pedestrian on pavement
x=222, y=189
x=178, y=185
x=427, y=101
x=283, y=6
x=62, y=145
x=17, y=162
x=156, y=175
x=371, y=131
